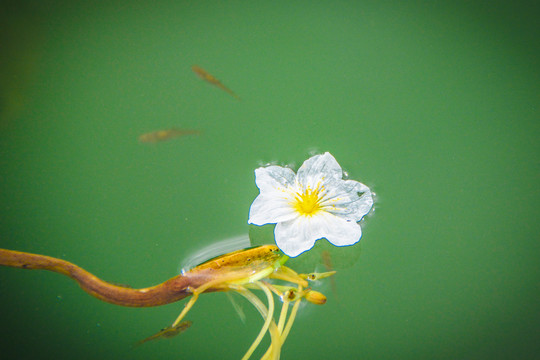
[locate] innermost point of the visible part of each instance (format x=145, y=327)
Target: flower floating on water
x=316, y=203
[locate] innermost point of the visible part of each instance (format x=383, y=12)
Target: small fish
x=203, y=74
x=162, y=135
x=168, y=332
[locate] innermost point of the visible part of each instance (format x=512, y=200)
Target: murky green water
x=432, y=104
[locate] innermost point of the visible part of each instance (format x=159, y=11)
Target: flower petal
x=274, y=178
x=299, y=235
x=294, y=237
x=342, y=232
x=274, y=201
x=269, y=209
x=319, y=168
x=348, y=199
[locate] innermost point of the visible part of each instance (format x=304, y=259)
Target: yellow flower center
x=308, y=202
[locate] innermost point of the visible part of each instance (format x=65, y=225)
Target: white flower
x=317, y=203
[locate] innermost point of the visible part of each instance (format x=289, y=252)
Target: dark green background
x=434, y=104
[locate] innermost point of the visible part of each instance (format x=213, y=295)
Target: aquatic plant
x=241, y=271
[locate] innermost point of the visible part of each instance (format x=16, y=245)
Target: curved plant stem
x=283, y=315
x=267, y=315
x=167, y=292
x=275, y=345
x=290, y=322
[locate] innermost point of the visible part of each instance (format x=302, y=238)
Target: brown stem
x=167, y=292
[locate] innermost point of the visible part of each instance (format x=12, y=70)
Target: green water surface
x=433, y=104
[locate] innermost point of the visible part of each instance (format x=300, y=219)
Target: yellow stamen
x=308, y=202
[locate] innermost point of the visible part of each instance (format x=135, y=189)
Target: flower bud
x=315, y=297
